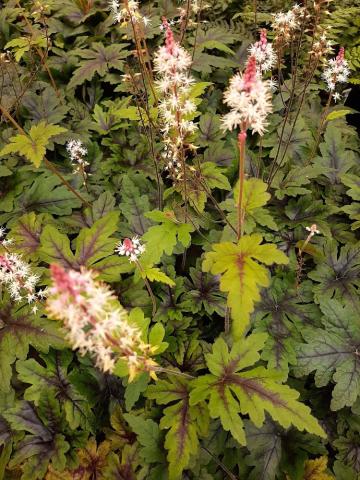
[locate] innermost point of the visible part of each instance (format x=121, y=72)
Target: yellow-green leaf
x=33, y=145
x=232, y=391
x=155, y=274
x=316, y=469
x=338, y=114
x=241, y=275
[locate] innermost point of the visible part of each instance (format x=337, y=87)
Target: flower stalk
x=241, y=213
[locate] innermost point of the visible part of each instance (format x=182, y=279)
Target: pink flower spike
x=341, y=55
x=64, y=283
x=95, y=321
x=169, y=37
x=249, y=74
x=263, y=37
x=263, y=52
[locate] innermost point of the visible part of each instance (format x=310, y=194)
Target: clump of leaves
x=256, y=348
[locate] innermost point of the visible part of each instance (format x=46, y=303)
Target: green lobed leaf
x=332, y=353
x=19, y=329
x=180, y=419
x=163, y=238
x=241, y=274
x=232, y=391
x=33, y=145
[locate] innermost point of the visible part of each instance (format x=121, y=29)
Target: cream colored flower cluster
x=172, y=63
x=249, y=98
x=95, y=321
x=127, y=11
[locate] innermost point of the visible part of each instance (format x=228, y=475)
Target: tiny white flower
x=131, y=248
x=313, y=229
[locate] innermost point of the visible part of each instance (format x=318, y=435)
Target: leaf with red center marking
x=26, y=234
x=232, y=391
x=185, y=422
x=242, y=276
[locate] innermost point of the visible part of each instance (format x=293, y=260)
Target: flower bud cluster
x=249, y=98
x=95, y=321
x=336, y=71
x=263, y=52
x=77, y=152
x=286, y=24
x=18, y=278
x=321, y=47
x=127, y=11
x=174, y=83
x=131, y=248
x=197, y=5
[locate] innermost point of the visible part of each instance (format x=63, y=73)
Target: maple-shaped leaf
x=305, y=211
x=337, y=272
x=210, y=129
x=48, y=195
x=212, y=38
x=21, y=45
x=19, y=329
x=292, y=141
x=335, y=158
x=173, y=304
x=123, y=466
x=283, y=313
x=95, y=243
x=134, y=204
x=241, y=275
x=292, y=183
x=99, y=59
x=347, y=466
x=184, y=422
x=94, y=248
x=33, y=145
x=149, y=437
x=204, y=292
x=55, y=376
x=265, y=445
x=353, y=182
x=333, y=354
x=55, y=248
x=25, y=233
x=93, y=458
x=316, y=469
x=255, y=197
x=92, y=461
x=163, y=238
x=42, y=104
x=43, y=442
x=274, y=449
x=233, y=389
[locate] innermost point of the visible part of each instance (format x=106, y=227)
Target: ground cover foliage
x=177, y=301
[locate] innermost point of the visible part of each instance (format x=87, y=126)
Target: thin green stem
x=148, y=286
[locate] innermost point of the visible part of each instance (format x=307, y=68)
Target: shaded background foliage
x=63, y=418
